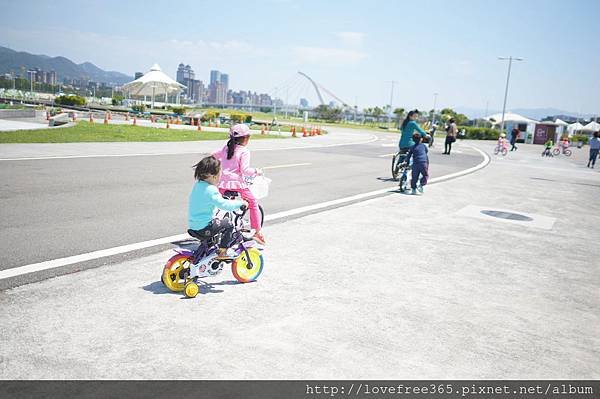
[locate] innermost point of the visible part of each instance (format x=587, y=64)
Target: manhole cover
x=507, y=215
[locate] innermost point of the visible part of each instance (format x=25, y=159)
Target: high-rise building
x=215, y=76
x=303, y=103
x=186, y=76
x=225, y=80
x=138, y=75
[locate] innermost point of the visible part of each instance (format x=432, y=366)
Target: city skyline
x=450, y=49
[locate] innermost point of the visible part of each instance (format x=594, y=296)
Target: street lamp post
x=393, y=82
x=510, y=60
x=434, y=104
x=31, y=82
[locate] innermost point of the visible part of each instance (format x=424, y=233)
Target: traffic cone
x=91, y=118
x=319, y=131
x=127, y=116
x=168, y=120
x=199, y=126
x=109, y=116
x=304, y=131
x=294, y=131
x=105, y=119
x=134, y=121
x=262, y=129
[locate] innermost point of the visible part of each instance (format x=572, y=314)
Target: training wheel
x=191, y=289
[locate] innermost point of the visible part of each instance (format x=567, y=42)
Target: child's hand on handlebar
x=244, y=204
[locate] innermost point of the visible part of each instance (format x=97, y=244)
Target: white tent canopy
x=573, y=127
x=152, y=83
x=560, y=122
x=509, y=117
x=592, y=126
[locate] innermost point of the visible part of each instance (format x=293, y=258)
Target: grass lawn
x=97, y=132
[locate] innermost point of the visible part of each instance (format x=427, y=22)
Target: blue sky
x=353, y=48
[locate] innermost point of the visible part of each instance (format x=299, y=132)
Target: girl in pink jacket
x=235, y=164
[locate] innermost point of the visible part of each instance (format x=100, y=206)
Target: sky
x=355, y=49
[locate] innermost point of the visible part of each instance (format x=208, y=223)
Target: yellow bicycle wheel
x=191, y=289
x=175, y=272
x=241, y=269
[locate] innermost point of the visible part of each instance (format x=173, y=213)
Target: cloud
x=352, y=39
x=328, y=56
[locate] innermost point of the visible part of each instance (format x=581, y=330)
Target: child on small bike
x=548, y=150
x=235, y=161
x=204, y=200
x=420, y=166
x=502, y=143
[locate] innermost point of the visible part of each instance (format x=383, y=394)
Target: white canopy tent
x=509, y=117
x=560, y=122
x=152, y=83
x=574, y=127
x=592, y=127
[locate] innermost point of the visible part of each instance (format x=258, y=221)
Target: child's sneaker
x=413, y=191
x=420, y=188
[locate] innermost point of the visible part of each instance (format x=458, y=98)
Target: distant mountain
x=11, y=61
x=533, y=113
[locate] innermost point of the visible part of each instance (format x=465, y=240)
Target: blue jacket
x=419, y=153
x=406, y=137
x=204, y=201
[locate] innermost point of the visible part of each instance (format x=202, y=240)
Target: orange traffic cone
x=294, y=131
x=199, y=126
x=106, y=119
x=304, y=131
x=134, y=121
x=319, y=131
x=109, y=116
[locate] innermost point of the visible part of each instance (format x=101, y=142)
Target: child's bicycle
x=185, y=269
x=561, y=150
x=501, y=149
x=400, y=170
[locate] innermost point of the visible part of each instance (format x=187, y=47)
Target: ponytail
x=231, y=145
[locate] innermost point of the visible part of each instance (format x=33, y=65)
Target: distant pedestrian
x=514, y=135
x=420, y=166
x=594, y=149
x=451, y=131
x=548, y=148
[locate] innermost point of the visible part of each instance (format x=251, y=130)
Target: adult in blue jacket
x=408, y=128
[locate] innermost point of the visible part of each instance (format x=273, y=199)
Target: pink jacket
x=233, y=170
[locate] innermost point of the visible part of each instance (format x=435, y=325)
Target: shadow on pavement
x=158, y=288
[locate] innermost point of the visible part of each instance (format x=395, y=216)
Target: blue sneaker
x=420, y=188
x=413, y=191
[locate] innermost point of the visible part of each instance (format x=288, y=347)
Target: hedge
x=480, y=133
x=580, y=137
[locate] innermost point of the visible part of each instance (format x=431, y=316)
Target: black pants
x=448, y=144
x=215, y=227
x=514, y=145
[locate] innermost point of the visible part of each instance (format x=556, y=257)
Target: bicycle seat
x=231, y=194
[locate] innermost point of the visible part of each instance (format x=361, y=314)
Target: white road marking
x=370, y=140
x=286, y=166
x=386, y=155
x=390, y=145
x=51, y=264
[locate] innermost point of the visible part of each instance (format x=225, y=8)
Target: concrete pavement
x=397, y=287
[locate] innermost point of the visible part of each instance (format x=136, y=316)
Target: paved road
x=61, y=207
x=395, y=287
